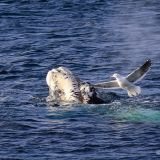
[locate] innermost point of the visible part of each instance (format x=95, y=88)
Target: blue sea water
x=94, y=39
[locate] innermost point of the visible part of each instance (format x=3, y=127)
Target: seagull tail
x=134, y=91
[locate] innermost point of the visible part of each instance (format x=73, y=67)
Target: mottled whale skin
x=65, y=86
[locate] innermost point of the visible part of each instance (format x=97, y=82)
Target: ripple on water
x=94, y=39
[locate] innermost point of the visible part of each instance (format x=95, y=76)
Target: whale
x=65, y=86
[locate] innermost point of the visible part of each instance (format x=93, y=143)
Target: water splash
x=117, y=110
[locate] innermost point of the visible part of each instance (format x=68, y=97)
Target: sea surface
x=94, y=39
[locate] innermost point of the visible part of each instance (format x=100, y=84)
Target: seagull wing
x=133, y=77
x=107, y=85
x=139, y=73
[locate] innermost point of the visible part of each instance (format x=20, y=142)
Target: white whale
x=65, y=86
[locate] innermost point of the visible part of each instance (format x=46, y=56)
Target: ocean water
x=94, y=39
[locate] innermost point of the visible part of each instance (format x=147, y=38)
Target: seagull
x=127, y=83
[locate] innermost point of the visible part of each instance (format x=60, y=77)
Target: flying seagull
x=127, y=83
